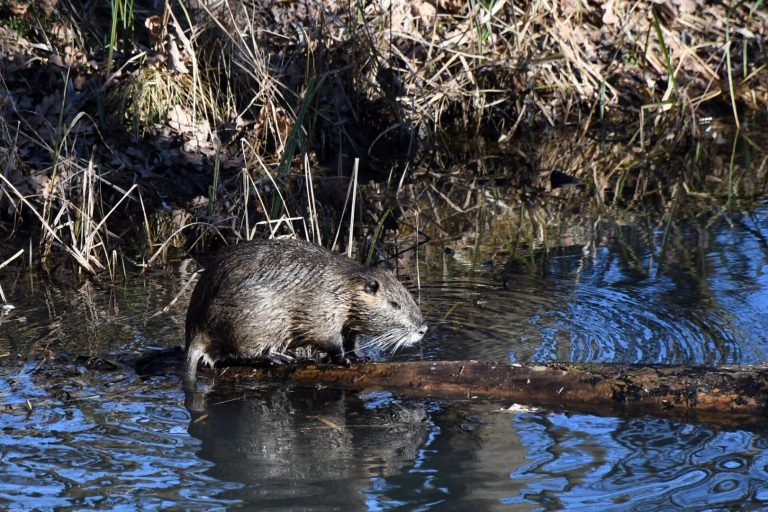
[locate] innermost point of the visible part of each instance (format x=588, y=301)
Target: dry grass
x=249, y=118
x=71, y=214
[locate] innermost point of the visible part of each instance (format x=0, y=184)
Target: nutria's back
x=263, y=298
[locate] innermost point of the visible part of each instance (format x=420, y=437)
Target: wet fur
x=268, y=297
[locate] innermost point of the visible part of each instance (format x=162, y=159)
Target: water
x=107, y=440
x=609, y=299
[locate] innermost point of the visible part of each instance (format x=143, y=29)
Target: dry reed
x=266, y=103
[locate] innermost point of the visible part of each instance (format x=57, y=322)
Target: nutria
x=262, y=299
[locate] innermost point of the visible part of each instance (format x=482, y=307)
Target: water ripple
x=654, y=464
x=66, y=455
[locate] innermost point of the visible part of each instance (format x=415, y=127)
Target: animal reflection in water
x=290, y=439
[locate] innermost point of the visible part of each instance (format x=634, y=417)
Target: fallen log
x=733, y=395
x=737, y=391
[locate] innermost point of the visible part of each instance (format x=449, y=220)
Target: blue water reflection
x=284, y=449
x=112, y=450
x=697, y=295
x=640, y=463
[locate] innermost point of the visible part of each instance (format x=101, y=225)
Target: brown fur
x=263, y=298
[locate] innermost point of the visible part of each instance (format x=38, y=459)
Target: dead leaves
x=69, y=57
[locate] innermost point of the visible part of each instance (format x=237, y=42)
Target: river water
x=79, y=438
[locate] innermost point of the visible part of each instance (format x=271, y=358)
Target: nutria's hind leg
x=195, y=352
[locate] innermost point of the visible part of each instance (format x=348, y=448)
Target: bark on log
x=732, y=392
x=723, y=395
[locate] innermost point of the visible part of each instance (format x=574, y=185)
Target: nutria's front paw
x=341, y=360
x=354, y=358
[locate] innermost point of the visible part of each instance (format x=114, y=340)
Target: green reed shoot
x=122, y=14
x=666, y=54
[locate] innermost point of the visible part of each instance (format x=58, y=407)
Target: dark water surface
x=612, y=292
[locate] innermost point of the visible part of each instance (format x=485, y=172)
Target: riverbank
x=131, y=134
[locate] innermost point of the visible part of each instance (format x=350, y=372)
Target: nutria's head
x=383, y=309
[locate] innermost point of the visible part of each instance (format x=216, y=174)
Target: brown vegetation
x=129, y=131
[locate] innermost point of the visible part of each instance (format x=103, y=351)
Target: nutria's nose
x=423, y=329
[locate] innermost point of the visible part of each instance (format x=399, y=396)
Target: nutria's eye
x=372, y=286
x=394, y=304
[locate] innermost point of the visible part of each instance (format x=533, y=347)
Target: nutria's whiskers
x=395, y=340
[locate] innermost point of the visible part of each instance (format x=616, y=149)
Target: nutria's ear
x=371, y=286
